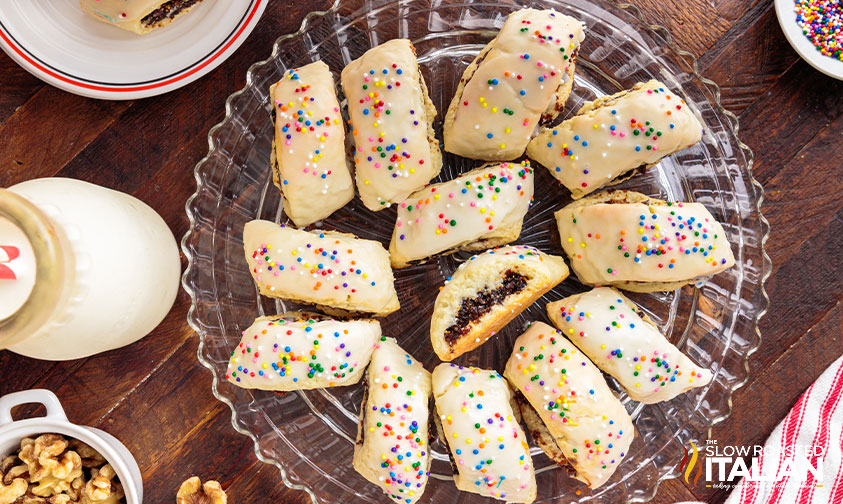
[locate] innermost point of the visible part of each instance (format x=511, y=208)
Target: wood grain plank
x=49, y=131
x=17, y=84
x=748, y=59
x=696, y=24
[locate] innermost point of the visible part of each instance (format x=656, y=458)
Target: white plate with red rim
x=785, y=11
x=59, y=43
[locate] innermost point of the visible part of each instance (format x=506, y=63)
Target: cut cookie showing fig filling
x=167, y=11
x=473, y=308
x=486, y=293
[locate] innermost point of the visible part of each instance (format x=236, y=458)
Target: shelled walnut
x=51, y=469
x=192, y=491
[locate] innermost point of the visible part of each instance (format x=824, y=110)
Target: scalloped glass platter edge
x=310, y=435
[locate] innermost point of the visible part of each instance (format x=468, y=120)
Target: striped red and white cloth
x=816, y=420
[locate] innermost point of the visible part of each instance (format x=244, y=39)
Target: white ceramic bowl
x=787, y=19
x=11, y=433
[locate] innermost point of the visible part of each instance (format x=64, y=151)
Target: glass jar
x=83, y=269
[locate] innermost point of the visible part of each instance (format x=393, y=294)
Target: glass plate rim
x=657, y=29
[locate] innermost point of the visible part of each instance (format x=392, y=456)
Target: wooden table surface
x=155, y=396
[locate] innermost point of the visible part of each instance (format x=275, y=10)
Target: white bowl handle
x=41, y=396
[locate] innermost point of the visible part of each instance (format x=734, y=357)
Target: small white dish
x=11, y=433
x=802, y=45
x=59, y=43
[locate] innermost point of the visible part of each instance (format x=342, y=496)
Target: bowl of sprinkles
x=815, y=30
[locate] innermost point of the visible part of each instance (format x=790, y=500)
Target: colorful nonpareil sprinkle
x=822, y=22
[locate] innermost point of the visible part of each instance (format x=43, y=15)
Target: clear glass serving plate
x=310, y=435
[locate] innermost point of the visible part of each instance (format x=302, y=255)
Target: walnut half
x=192, y=491
x=10, y=493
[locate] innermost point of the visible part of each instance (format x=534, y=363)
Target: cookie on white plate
x=308, y=149
x=611, y=331
x=569, y=409
x=302, y=351
x=488, y=448
x=391, y=118
x=392, y=449
x=138, y=16
x=523, y=76
x=637, y=243
x=486, y=293
x=480, y=209
x=613, y=136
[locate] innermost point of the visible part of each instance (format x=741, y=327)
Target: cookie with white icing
x=610, y=330
x=479, y=209
x=333, y=270
x=637, y=243
x=580, y=415
x=138, y=16
x=523, y=76
x=302, y=351
x=392, y=448
x=613, y=135
x=391, y=119
x=308, y=150
x=486, y=293
x=488, y=449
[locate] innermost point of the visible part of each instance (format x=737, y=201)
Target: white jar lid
x=17, y=268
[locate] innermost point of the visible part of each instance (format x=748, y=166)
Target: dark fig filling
x=169, y=9
x=472, y=309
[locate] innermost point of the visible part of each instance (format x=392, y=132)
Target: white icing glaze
x=587, y=421
x=324, y=268
x=487, y=444
x=612, y=243
x=607, y=327
x=395, y=454
x=501, y=104
x=126, y=14
x=468, y=208
x=388, y=115
x=605, y=140
x=310, y=144
x=299, y=350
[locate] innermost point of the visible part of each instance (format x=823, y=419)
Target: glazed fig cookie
x=631, y=241
x=339, y=272
x=614, y=135
x=308, y=151
x=566, y=401
x=479, y=209
x=488, y=449
x=391, y=119
x=486, y=293
x=392, y=439
x=138, y=16
x=609, y=329
x=522, y=76
x=302, y=351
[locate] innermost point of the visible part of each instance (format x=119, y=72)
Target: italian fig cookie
x=138, y=16
x=488, y=449
x=391, y=116
x=522, y=76
x=569, y=409
x=302, y=351
x=336, y=271
x=614, y=135
x=486, y=293
x=610, y=330
x=633, y=242
x=479, y=209
x=308, y=149
x=392, y=440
